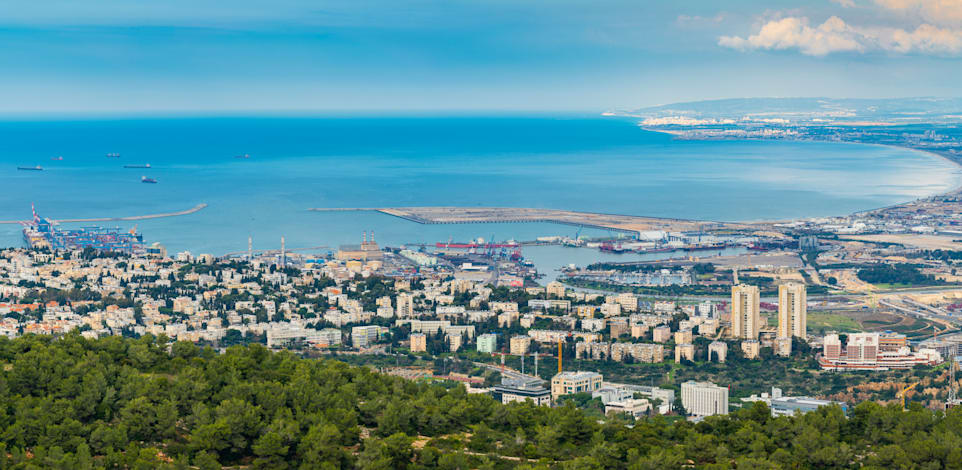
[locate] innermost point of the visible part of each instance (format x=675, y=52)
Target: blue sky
x=150, y=56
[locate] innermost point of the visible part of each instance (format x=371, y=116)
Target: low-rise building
x=512, y=390
x=569, y=382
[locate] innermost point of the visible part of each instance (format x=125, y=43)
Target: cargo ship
x=56, y=159
x=113, y=155
x=145, y=165
x=30, y=168
x=144, y=179
x=242, y=157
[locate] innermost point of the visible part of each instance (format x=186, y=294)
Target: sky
x=203, y=56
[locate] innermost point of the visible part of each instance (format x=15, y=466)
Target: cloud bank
x=835, y=35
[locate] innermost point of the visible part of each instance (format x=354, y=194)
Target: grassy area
x=818, y=322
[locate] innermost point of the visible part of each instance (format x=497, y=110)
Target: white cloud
x=925, y=39
x=834, y=35
x=794, y=33
x=941, y=12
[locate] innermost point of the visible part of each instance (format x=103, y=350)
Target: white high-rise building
x=792, y=310
x=704, y=398
x=745, y=316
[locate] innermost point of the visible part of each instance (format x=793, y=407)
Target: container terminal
x=41, y=232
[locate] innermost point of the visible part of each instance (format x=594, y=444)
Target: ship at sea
x=144, y=179
x=145, y=165
x=113, y=155
x=41, y=232
x=56, y=159
x=30, y=168
x=243, y=157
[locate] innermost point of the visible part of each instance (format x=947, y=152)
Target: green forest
x=74, y=403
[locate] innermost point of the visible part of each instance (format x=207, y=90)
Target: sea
x=577, y=162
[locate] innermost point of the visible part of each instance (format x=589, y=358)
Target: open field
x=818, y=322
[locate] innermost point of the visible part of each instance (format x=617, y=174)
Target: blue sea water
x=567, y=162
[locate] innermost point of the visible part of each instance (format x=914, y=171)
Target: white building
x=704, y=398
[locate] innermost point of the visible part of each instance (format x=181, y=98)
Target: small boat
x=146, y=165
x=113, y=155
x=56, y=159
x=30, y=168
x=243, y=157
x=144, y=179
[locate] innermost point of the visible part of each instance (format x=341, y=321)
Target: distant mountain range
x=897, y=110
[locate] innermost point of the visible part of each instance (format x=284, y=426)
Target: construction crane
x=904, y=390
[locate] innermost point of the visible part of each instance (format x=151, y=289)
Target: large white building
x=704, y=398
x=745, y=317
x=792, y=310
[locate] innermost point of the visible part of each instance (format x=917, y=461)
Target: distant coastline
x=956, y=161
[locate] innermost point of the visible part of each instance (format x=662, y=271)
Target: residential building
x=783, y=346
x=792, y=310
x=684, y=351
x=405, y=305
x=717, y=351
x=488, y=343
x=364, y=336
x=555, y=289
x=661, y=334
x=419, y=342
x=520, y=344
x=751, y=348
x=745, y=312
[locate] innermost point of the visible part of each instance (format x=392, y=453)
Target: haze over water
x=572, y=162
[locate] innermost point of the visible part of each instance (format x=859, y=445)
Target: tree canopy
x=74, y=403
